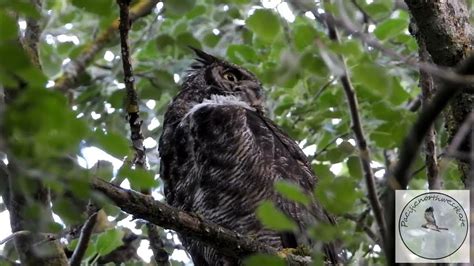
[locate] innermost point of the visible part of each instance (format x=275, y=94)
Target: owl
x=221, y=156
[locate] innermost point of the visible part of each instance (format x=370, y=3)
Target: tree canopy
x=346, y=79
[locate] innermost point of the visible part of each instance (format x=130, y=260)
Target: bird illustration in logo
x=431, y=221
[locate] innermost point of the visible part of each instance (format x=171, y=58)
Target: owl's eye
x=230, y=77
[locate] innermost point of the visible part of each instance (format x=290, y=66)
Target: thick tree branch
x=364, y=152
x=226, y=241
x=70, y=78
x=412, y=142
x=444, y=27
x=427, y=89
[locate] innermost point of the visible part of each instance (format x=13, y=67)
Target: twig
x=228, y=242
x=365, y=15
x=131, y=101
x=47, y=236
x=6, y=261
x=444, y=73
x=12, y=236
x=324, y=149
x=421, y=126
x=323, y=88
x=414, y=104
x=427, y=88
x=157, y=246
x=83, y=241
x=364, y=152
x=360, y=223
x=135, y=122
x=76, y=67
x=461, y=134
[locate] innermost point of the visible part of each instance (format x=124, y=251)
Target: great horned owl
x=220, y=157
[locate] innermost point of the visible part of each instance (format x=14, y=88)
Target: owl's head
x=216, y=76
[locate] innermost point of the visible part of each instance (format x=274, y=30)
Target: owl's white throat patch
x=220, y=100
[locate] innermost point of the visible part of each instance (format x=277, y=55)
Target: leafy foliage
x=50, y=133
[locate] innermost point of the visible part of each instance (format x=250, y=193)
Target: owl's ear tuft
x=204, y=57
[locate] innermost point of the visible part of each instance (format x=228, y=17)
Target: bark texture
x=228, y=242
x=444, y=27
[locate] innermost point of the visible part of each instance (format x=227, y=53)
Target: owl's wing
x=231, y=157
x=289, y=164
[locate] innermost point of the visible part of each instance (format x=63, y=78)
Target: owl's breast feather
x=219, y=100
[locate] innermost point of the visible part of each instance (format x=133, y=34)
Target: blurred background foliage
x=59, y=137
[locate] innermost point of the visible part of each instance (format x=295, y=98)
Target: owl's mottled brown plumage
x=220, y=157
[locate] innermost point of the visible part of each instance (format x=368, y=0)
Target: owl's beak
x=254, y=97
x=252, y=93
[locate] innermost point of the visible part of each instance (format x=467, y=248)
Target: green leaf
x=264, y=259
x=187, y=39
x=211, y=39
x=197, y=11
x=324, y=232
x=265, y=24
x=113, y=143
x=304, y=36
x=179, y=7
x=273, y=218
x=162, y=82
x=139, y=178
x=338, y=195
x=23, y=7
x=313, y=63
x=355, y=169
x=116, y=99
x=66, y=210
x=338, y=154
x=33, y=76
x=13, y=57
x=323, y=171
x=379, y=9
x=102, y=7
x=291, y=191
x=390, y=28
x=373, y=77
x=164, y=41
x=8, y=27
x=42, y=125
x=108, y=241
x=239, y=54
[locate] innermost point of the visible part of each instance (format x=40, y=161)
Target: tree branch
x=226, y=241
x=444, y=73
x=364, y=152
x=83, y=241
x=132, y=106
x=412, y=142
x=444, y=28
x=427, y=89
x=77, y=66
x=131, y=101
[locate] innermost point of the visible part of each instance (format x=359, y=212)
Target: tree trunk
x=444, y=27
